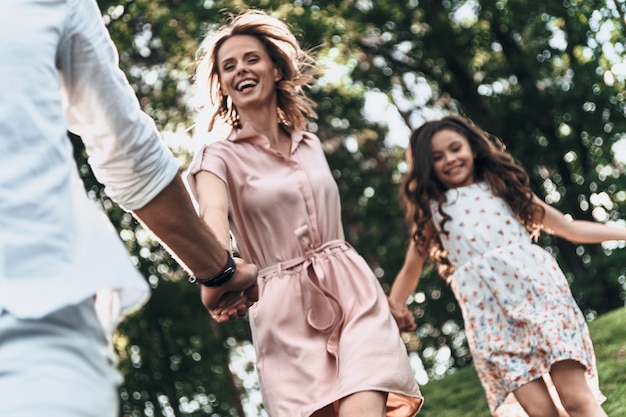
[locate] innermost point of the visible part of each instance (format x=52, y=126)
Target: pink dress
x=520, y=316
x=322, y=328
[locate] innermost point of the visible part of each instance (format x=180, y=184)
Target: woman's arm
x=577, y=231
x=212, y=197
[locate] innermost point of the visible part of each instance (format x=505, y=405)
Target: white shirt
x=59, y=71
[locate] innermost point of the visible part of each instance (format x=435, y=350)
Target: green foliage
x=173, y=355
x=544, y=76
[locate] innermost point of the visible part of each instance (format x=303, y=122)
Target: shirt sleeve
x=207, y=159
x=125, y=149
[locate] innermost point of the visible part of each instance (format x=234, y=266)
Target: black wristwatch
x=221, y=277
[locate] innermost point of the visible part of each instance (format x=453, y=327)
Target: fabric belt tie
x=324, y=313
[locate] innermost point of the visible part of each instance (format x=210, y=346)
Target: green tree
x=546, y=77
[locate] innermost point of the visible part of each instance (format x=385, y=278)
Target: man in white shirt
x=58, y=72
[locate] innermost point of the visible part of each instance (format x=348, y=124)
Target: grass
x=608, y=333
x=461, y=395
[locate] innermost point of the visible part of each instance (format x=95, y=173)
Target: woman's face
x=453, y=158
x=247, y=74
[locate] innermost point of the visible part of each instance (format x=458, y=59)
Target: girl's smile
x=453, y=158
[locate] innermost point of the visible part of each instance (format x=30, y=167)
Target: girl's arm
x=405, y=284
x=577, y=231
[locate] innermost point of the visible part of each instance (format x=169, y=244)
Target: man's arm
x=173, y=219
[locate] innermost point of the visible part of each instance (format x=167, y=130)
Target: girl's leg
x=363, y=404
x=535, y=399
x=576, y=396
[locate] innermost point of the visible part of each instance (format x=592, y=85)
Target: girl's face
x=453, y=158
x=247, y=73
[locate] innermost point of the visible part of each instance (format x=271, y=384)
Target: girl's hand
x=403, y=316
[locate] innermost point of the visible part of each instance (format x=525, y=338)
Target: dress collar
x=248, y=134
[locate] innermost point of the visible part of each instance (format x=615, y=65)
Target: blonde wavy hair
x=298, y=69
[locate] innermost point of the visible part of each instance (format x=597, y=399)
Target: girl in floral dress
x=473, y=213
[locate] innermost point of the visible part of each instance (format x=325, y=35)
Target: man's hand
x=232, y=299
x=403, y=316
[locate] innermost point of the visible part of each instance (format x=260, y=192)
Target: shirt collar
x=247, y=133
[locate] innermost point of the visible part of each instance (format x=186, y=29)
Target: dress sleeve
x=207, y=159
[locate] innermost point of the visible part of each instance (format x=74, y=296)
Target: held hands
x=403, y=316
x=232, y=299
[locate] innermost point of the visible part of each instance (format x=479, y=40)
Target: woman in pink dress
x=325, y=340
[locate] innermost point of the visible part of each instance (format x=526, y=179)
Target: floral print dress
x=520, y=316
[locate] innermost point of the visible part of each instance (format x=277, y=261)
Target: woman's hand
x=231, y=300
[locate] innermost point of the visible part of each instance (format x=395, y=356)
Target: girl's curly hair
x=492, y=164
x=297, y=67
